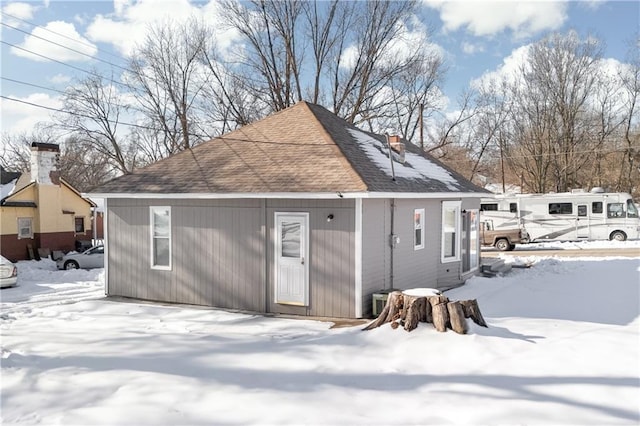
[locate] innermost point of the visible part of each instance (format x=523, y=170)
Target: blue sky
x=475, y=37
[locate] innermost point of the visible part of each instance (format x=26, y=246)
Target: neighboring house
x=298, y=213
x=38, y=209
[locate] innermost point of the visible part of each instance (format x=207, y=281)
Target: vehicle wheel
x=618, y=236
x=502, y=244
x=71, y=264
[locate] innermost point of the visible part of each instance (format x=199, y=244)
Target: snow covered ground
x=562, y=347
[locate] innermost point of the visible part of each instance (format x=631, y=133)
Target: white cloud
x=409, y=38
x=487, y=18
x=507, y=70
x=19, y=10
x=60, y=79
x=471, y=48
x=19, y=116
x=66, y=37
x=129, y=24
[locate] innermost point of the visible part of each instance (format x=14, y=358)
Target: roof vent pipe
x=393, y=173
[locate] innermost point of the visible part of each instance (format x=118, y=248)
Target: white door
x=582, y=221
x=291, y=257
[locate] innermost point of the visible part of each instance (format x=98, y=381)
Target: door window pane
x=290, y=239
x=582, y=210
x=615, y=210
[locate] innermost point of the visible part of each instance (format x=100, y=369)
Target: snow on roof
x=414, y=167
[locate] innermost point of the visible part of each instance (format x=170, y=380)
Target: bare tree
x=167, y=79
x=629, y=175
x=92, y=113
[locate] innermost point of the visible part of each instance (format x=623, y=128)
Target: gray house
x=299, y=213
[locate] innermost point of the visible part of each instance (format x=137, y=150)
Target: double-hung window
x=450, y=231
x=25, y=227
x=418, y=229
x=160, y=237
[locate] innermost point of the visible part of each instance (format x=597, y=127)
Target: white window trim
x=24, y=237
x=456, y=206
x=419, y=212
x=153, y=209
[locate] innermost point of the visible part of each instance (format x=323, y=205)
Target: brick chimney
x=44, y=162
x=397, y=146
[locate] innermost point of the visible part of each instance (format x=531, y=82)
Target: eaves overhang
x=289, y=195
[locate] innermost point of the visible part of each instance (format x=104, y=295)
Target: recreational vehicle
x=569, y=216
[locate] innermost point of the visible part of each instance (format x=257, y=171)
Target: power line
x=95, y=74
x=65, y=47
x=62, y=35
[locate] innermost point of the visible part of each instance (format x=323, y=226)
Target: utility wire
x=61, y=35
x=66, y=47
x=95, y=74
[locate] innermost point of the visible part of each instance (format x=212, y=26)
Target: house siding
x=217, y=253
x=223, y=254
x=375, y=250
x=331, y=257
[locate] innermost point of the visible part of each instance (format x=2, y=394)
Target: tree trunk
x=414, y=311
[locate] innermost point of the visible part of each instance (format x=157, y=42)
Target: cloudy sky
x=46, y=44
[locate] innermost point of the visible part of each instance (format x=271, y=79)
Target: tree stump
x=456, y=317
x=440, y=316
x=472, y=310
x=408, y=310
x=413, y=311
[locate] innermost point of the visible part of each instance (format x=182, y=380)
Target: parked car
x=92, y=258
x=8, y=273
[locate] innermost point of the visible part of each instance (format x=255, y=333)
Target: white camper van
x=568, y=216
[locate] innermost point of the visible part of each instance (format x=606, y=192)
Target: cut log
x=456, y=317
x=472, y=310
x=440, y=316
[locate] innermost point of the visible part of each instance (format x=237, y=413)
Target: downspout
x=392, y=242
x=392, y=237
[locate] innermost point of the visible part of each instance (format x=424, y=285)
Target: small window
x=418, y=229
x=615, y=210
x=25, y=227
x=513, y=207
x=596, y=207
x=160, y=237
x=582, y=210
x=560, y=208
x=79, y=224
x=489, y=207
x=450, y=231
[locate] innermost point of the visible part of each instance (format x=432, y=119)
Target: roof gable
x=302, y=149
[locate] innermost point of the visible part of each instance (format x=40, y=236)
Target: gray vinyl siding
x=217, y=253
x=222, y=254
x=331, y=257
x=411, y=268
x=375, y=250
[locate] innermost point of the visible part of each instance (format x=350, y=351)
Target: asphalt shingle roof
x=304, y=149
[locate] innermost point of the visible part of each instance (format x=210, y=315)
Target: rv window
x=632, y=211
x=560, y=208
x=582, y=210
x=513, y=207
x=615, y=210
x=596, y=207
x=489, y=207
